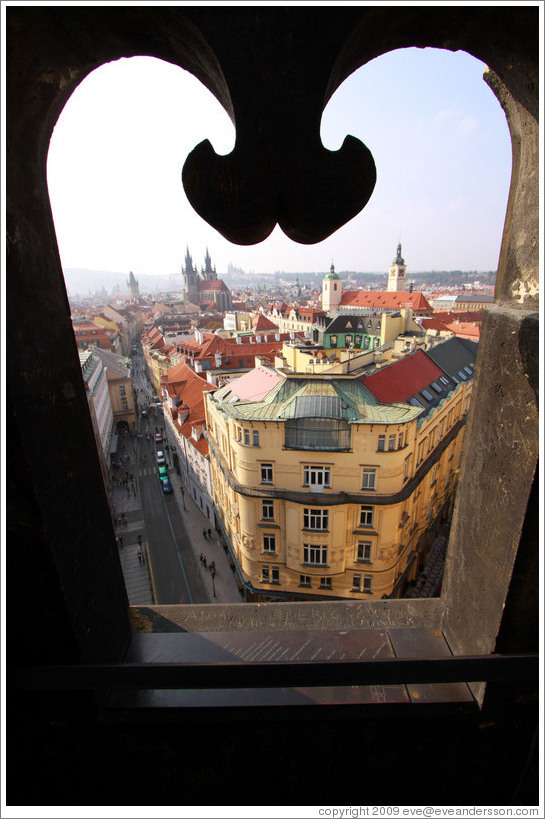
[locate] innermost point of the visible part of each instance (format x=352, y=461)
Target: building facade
x=118, y=375
x=332, y=488
x=100, y=406
x=182, y=396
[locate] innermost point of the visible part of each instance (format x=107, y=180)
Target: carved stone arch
x=512, y=75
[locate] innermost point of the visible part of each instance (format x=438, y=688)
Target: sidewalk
x=195, y=521
x=132, y=533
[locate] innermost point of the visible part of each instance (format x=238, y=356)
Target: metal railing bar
x=391, y=671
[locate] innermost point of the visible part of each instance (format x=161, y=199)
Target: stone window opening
x=56, y=374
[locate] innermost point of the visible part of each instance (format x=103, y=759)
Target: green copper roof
x=343, y=399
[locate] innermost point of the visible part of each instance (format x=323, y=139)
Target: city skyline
x=436, y=131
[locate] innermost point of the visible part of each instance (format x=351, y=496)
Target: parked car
x=161, y=460
x=158, y=438
x=167, y=486
x=144, y=413
x=163, y=473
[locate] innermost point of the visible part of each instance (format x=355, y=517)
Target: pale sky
x=437, y=133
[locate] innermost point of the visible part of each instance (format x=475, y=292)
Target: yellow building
x=333, y=487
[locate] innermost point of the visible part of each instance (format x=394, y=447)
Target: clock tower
x=396, y=279
x=332, y=290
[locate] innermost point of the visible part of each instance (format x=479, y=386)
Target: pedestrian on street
x=212, y=565
x=210, y=533
x=201, y=557
x=204, y=561
x=204, y=533
x=139, y=540
x=139, y=555
x=121, y=541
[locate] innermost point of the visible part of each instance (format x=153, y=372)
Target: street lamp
x=213, y=573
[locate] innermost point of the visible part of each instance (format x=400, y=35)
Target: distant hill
x=80, y=281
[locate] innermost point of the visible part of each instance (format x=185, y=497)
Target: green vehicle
x=163, y=473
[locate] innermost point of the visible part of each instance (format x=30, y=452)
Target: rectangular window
x=241, y=362
x=265, y=576
x=356, y=582
x=325, y=583
x=451, y=451
x=256, y=437
x=267, y=510
x=275, y=574
x=406, y=470
x=315, y=554
x=369, y=478
x=368, y=583
x=333, y=341
x=443, y=380
x=437, y=387
x=400, y=441
x=366, y=343
x=376, y=342
x=304, y=580
x=316, y=475
x=357, y=341
x=122, y=390
x=429, y=508
x=269, y=543
x=125, y=404
x=421, y=447
x=247, y=437
x=347, y=340
x=366, y=515
x=391, y=443
x=415, y=402
x=266, y=473
x=427, y=395
x=440, y=430
x=364, y=551
x=317, y=519
x=381, y=443
x=433, y=475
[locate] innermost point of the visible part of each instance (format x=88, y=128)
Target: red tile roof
x=182, y=382
x=465, y=328
x=397, y=382
x=213, y=284
x=384, y=299
x=261, y=322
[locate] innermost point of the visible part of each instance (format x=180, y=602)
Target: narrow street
x=148, y=521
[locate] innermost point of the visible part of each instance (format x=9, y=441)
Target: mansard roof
x=454, y=355
x=398, y=382
x=282, y=399
x=355, y=324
